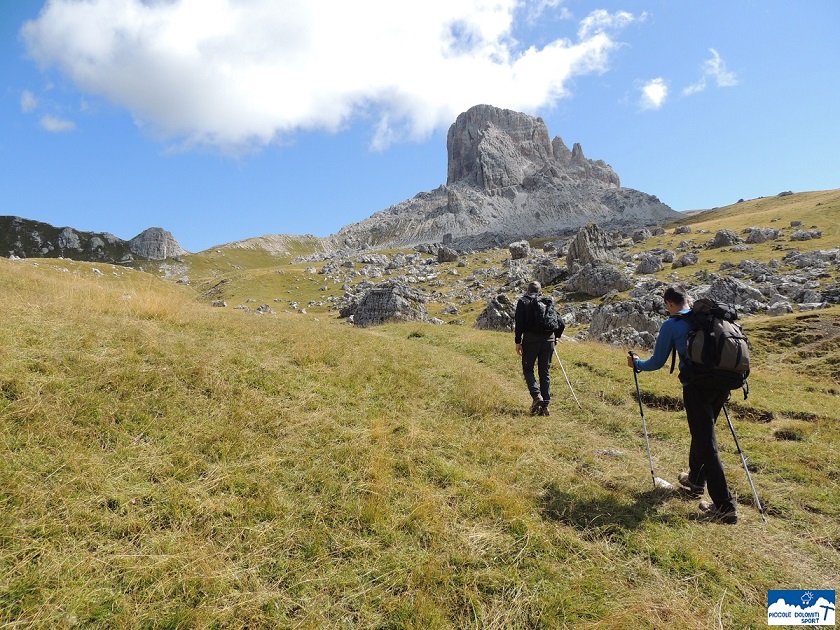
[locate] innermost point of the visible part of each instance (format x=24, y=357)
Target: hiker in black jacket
x=535, y=346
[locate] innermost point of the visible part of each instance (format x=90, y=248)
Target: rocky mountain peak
x=507, y=181
x=156, y=244
x=493, y=148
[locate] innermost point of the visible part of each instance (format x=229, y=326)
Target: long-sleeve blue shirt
x=672, y=335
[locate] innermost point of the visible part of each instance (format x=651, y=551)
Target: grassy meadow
x=166, y=464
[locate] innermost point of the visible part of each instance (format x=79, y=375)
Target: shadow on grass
x=605, y=515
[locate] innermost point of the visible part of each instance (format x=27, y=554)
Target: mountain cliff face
x=506, y=181
x=25, y=238
x=156, y=244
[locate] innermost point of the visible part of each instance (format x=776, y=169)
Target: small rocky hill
x=506, y=181
x=156, y=244
x=25, y=238
x=280, y=244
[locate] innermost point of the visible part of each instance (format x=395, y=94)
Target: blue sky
x=220, y=120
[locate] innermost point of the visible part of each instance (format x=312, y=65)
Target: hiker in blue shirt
x=703, y=401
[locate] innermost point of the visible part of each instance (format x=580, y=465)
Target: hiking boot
x=536, y=406
x=716, y=514
x=692, y=490
x=544, y=410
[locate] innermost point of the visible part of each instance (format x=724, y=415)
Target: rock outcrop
x=627, y=323
x=724, y=238
x=498, y=315
x=390, y=301
x=805, y=235
x=507, y=181
x=597, y=280
x=649, y=263
x=592, y=245
x=156, y=244
x=519, y=250
x=446, y=254
x=761, y=235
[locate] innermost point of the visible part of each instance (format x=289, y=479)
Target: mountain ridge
x=27, y=238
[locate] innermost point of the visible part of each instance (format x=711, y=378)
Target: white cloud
x=57, y=125
x=713, y=69
x=535, y=9
x=602, y=21
x=230, y=73
x=654, y=94
x=28, y=102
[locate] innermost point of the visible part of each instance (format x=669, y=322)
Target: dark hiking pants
x=702, y=407
x=539, y=353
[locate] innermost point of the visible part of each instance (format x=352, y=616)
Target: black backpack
x=717, y=347
x=541, y=316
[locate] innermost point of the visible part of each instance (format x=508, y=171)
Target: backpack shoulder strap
x=674, y=350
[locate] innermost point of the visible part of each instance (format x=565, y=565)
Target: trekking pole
x=657, y=481
x=568, y=382
x=744, y=462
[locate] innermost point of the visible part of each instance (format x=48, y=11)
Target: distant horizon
x=310, y=235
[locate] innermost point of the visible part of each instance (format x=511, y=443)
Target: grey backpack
x=717, y=347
